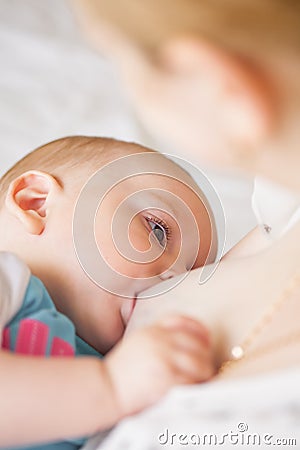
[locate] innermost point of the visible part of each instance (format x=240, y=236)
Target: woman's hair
x=252, y=26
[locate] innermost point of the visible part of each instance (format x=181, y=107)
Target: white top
x=276, y=208
x=14, y=278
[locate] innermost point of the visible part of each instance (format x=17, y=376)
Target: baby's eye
x=160, y=231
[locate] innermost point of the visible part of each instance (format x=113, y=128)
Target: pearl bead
x=237, y=352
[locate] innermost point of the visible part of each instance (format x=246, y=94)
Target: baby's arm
x=52, y=399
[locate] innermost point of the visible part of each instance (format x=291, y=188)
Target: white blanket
x=261, y=412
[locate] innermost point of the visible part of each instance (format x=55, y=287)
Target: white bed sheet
x=51, y=83
x=262, y=412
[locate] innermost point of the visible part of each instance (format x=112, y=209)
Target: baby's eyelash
x=162, y=223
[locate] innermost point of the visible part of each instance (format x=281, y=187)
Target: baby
x=86, y=224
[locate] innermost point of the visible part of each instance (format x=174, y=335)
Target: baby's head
x=99, y=220
x=218, y=80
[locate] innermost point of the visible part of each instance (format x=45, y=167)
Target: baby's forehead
x=170, y=191
x=148, y=161
x=146, y=168
x=140, y=174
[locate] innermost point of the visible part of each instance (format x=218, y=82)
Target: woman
x=220, y=79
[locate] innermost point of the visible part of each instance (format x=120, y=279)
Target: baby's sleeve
x=14, y=279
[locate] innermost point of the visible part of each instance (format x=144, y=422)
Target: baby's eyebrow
x=158, y=199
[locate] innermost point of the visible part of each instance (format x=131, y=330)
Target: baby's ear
x=27, y=199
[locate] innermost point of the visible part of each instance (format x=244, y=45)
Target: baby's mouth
x=127, y=310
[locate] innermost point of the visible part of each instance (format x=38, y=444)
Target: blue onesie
x=30, y=324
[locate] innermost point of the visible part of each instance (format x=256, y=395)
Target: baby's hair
x=72, y=158
x=255, y=27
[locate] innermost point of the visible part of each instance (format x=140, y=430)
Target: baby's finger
x=194, y=369
x=191, y=343
x=187, y=324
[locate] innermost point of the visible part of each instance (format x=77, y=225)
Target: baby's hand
x=145, y=365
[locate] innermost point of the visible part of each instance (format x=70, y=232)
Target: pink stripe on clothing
x=6, y=339
x=32, y=337
x=61, y=348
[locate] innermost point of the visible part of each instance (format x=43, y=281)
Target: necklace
x=243, y=350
